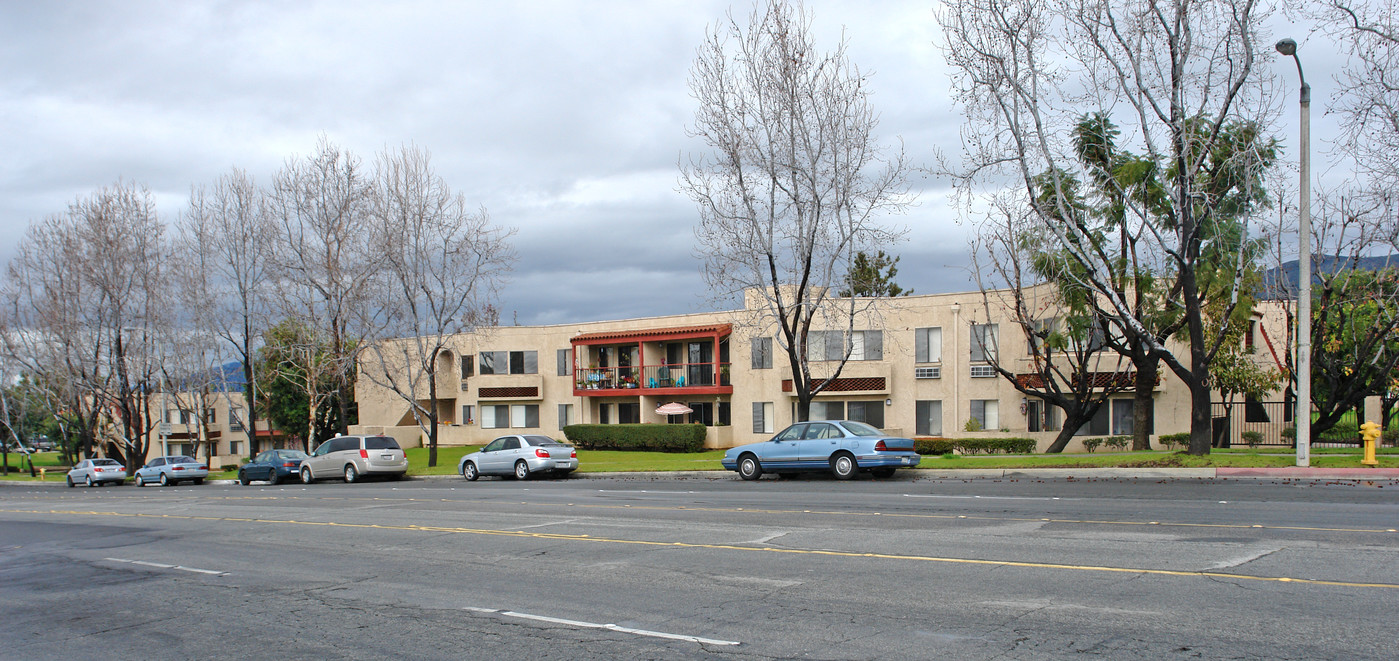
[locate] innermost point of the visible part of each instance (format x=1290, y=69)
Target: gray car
x=96, y=472
x=172, y=469
x=353, y=457
x=520, y=455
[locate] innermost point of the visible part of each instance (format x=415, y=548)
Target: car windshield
x=860, y=429
x=380, y=443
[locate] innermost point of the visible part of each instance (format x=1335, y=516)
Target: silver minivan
x=353, y=457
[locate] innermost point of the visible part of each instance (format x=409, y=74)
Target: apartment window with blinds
x=565, y=360
x=509, y=362
x=984, y=341
x=870, y=413
x=929, y=422
x=927, y=345
x=468, y=366
x=987, y=412
x=762, y=417
x=830, y=345
x=565, y=415
x=762, y=353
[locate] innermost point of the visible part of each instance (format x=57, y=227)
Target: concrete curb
x=1287, y=473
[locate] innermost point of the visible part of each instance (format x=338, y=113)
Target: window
x=982, y=372
x=1249, y=335
x=628, y=413
x=509, y=362
x=927, y=345
x=1039, y=416
x=762, y=417
x=1123, y=411
x=525, y=416
x=210, y=416
x=929, y=422
x=987, y=412
x=830, y=345
x=466, y=414
x=724, y=414
x=702, y=413
x=1099, y=425
x=761, y=353
x=984, y=341
x=235, y=418
x=234, y=447
x=565, y=360
x=565, y=415
x=604, y=413
x=870, y=413
x=468, y=366
x=927, y=372
x=828, y=410
x=1038, y=327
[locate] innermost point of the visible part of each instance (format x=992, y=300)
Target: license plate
x=386, y=456
x=565, y=464
x=907, y=461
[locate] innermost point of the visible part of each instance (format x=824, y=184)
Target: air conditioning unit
x=927, y=372
x=983, y=372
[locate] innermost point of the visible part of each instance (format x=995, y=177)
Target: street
x=704, y=568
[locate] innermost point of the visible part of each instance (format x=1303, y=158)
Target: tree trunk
x=432, y=415
x=1141, y=408
x=1066, y=433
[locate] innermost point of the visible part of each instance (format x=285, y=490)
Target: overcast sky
x=565, y=120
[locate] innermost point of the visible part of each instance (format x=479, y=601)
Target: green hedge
x=1173, y=441
x=994, y=445
x=648, y=437
x=935, y=446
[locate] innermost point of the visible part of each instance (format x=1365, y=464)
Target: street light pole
x=1288, y=47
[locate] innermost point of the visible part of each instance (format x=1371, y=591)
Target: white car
x=173, y=469
x=96, y=472
x=521, y=455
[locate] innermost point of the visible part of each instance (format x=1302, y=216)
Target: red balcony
x=649, y=362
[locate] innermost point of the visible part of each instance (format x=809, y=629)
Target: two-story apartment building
x=918, y=366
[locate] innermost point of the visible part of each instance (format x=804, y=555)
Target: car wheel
x=521, y=470
x=140, y=482
x=306, y=476
x=164, y=480
x=273, y=478
x=843, y=466
x=90, y=483
x=468, y=471
x=350, y=473
x=749, y=468
x=882, y=472
x=70, y=481
x=243, y=478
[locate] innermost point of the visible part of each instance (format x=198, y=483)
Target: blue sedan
x=275, y=466
x=843, y=447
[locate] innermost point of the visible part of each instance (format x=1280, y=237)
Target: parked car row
x=842, y=447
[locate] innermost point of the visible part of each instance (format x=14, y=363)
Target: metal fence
x=1231, y=426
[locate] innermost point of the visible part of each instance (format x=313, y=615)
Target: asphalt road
x=698, y=568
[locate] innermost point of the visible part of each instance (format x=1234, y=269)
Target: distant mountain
x=1281, y=282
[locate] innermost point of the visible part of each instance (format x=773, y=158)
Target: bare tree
x=1069, y=365
x=1180, y=79
x=224, y=274
x=795, y=181
x=1367, y=97
x=444, y=264
x=322, y=269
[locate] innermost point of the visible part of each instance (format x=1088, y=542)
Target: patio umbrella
x=673, y=408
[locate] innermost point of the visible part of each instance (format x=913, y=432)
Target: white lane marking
x=639, y=491
x=161, y=565
x=934, y=495
x=594, y=625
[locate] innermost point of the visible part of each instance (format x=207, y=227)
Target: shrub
x=1253, y=438
x=1118, y=443
x=1091, y=444
x=933, y=446
x=647, y=437
x=1017, y=445
x=1346, y=431
x=972, y=425
x=1173, y=441
x=994, y=445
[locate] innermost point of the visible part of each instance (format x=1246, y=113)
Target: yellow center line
x=732, y=547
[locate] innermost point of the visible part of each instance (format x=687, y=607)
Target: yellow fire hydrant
x=1370, y=432
x=41, y=473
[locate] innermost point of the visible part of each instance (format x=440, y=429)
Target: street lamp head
x=1287, y=47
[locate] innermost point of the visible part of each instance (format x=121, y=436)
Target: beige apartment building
x=917, y=367
x=211, y=426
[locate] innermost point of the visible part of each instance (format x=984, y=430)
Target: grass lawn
x=600, y=461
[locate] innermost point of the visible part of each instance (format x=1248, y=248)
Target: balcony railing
x=652, y=377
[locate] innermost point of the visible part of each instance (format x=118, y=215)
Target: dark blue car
x=272, y=466
x=843, y=447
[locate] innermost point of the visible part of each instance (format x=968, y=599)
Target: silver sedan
x=520, y=455
x=96, y=472
x=170, y=470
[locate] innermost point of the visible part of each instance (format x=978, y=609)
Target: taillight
x=541, y=453
x=288, y=464
x=880, y=447
x=573, y=454
x=203, y=468
x=364, y=454
x=178, y=468
x=97, y=470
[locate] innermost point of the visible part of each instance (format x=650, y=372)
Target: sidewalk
x=1285, y=473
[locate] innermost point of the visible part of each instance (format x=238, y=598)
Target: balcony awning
x=653, y=335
